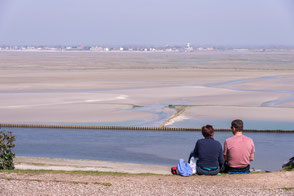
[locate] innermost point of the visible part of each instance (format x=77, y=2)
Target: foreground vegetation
x=6, y=154
x=78, y=172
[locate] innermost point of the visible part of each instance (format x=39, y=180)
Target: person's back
x=209, y=153
x=238, y=150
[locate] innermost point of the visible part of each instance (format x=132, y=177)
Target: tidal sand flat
x=146, y=89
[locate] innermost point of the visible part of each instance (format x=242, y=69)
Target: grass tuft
x=106, y=184
x=288, y=188
x=41, y=171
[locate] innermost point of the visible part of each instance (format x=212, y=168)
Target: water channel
x=145, y=147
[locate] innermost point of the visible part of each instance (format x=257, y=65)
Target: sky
x=147, y=22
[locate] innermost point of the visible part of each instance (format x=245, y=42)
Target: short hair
x=207, y=131
x=237, y=124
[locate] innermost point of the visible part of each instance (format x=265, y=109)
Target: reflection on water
x=146, y=147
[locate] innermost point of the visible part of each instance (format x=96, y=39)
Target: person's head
x=237, y=126
x=207, y=131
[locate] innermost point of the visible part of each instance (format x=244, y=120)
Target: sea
x=143, y=147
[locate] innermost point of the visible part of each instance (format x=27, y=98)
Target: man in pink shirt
x=238, y=150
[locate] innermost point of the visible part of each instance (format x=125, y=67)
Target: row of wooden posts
x=50, y=126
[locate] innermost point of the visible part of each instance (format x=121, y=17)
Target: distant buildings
x=189, y=48
x=184, y=48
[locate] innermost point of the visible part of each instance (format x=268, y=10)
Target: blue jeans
x=201, y=171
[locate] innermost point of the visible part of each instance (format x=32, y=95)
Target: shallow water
x=242, y=81
x=146, y=147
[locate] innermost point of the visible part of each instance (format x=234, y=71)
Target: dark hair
x=237, y=124
x=207, y=131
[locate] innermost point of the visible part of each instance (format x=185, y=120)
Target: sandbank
x=109, y=87
x=43, y=163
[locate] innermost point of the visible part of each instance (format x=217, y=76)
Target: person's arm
x=193, y=153
x=221, y=157
x=252, y=157
x=225, y=151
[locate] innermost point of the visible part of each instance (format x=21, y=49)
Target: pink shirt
x=238, y=150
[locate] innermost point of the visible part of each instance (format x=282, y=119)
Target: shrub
x=289, y=168
x=289, y=165
x=6, y=155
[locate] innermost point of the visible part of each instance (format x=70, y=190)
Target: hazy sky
x=154, y=22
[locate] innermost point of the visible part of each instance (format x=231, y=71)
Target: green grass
x=59, y=181
x=106, y=184
x=95, y=173
x=288, y=188
x=289, y=168
x=84, y=182
x=103, y=183
x=29, y=171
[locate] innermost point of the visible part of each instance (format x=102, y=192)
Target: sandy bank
x=86, y=165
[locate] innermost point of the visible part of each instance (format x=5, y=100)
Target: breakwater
x=56, y=126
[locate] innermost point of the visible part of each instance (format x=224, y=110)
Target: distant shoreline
x=237, y=51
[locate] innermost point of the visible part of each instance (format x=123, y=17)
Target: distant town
x=184, y=48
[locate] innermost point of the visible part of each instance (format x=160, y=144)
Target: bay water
x=144, y=147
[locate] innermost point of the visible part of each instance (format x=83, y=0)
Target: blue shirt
x=209, y=153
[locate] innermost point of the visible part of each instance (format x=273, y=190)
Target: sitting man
x=238, y=150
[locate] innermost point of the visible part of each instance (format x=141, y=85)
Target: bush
x=288, y=166
x=6, y=155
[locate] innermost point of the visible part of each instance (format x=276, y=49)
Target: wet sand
x=43, y=163
x=106, y=87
